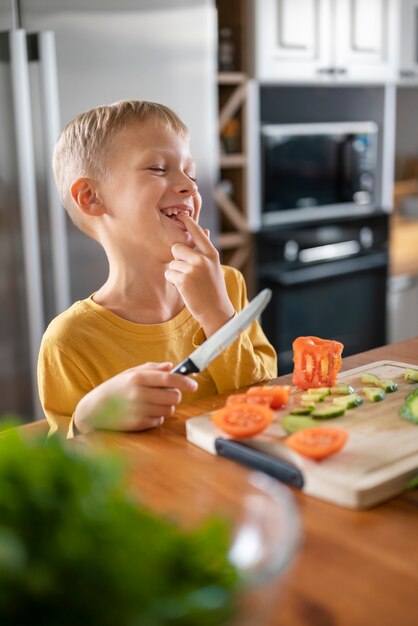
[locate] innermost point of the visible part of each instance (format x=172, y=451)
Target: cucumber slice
x=342, y=389
x=388, y=385
x=302, y=410
x=348, y=402
x=328, y=412
x=293, y=423
x=307, y=404
x=374, y=394
x=370, y=379
x=409, y=409
x=311, y=397
x=411, y=375
x=322, y=391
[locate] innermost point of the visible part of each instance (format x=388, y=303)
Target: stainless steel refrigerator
x=58, y=58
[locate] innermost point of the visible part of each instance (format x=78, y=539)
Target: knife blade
x=224, y=336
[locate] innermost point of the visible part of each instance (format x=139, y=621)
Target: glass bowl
x=265, y=533
x=261, y=511
x=265, y=542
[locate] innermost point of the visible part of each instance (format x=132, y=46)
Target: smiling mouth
x=173, y=212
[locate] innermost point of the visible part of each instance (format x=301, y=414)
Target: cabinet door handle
x=407, y=73
x=332, y=70
x=326, y=70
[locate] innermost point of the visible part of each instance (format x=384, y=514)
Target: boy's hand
x=198, y=276
x=136, y=399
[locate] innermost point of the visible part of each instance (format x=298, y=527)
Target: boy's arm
x=136, y=399
x=213, y=294
x=61, y=384
x=197, y=274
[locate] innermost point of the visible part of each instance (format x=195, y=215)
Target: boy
x=127, y=179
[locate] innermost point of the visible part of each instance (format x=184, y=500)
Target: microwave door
x=346, y=167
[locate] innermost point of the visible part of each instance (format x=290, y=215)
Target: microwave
x=315, y=171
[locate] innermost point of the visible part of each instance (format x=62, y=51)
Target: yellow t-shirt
x=87, y=344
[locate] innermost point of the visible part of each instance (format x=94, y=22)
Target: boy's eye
x=156, y=168
x=192, y=178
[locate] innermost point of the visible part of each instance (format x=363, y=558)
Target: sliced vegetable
x=293, y=423
x=302, y=410
x=317, y=443
x=322, y=391
x=309, y=404
x=243, y=420
x=243, y=398
x=316, y=362
x=342, y=389
x=367, y=378
x=310, y=397
x=388, y=385
x=279, y=394
x=328, y=412
x=236, y=398
x=374, y=394
x=411, y=375
x=409, y=409
x=348, y=402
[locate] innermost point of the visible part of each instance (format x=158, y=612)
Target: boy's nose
x=185, y=186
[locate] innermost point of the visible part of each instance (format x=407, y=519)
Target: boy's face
x=152, y=180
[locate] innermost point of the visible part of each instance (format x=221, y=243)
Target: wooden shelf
x=227, y=241
x=234, y=240
x=231, y=78
x=233, y=160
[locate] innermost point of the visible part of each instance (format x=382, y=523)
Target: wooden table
x=354, y=568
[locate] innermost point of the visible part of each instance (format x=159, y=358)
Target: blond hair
x=84, y=148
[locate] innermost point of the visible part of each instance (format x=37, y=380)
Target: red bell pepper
x=316, y=362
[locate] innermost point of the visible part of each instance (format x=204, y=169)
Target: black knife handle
x=283, y=471
x=185, y=367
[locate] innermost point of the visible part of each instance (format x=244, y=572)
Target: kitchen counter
x=354, y=567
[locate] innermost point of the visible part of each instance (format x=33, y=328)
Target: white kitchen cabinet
x=408, y=66
x=325, y=40
x=289, y=38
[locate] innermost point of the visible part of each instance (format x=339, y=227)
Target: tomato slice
x=317, y=443
x=264, y=399
x=316, y=362
x=236, y=398
x=278, y=394
x=243, y=420
x=243, y=398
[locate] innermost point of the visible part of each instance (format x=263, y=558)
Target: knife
x=273, y=466
x=224, y=336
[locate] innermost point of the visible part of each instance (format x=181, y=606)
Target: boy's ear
x=84, y=194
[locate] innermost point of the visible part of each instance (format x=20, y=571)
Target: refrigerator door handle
x=52, y=129
x=28, y=201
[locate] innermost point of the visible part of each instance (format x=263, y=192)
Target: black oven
x=328, y=280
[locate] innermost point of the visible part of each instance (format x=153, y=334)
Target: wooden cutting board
x=379, y=458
